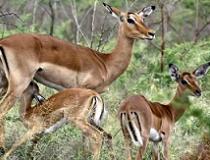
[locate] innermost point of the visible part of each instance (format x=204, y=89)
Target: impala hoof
x=2, y=151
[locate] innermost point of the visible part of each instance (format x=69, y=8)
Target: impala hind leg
x=142, y=149
x=128, y=143
x=145, y=137
x=127, y=138
x=107, y=139
x=28, y=135
x=16, y=86
x=155, y=151
x=165, y=148
x=92, y=132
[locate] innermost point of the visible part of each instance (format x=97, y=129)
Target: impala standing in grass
x=59, y=64
x=79, y=106
x=143, y=120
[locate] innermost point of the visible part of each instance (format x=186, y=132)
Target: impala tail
x=98, y=111
x=4, y=61
x=130, y=122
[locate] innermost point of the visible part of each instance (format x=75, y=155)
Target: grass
x=67, y=142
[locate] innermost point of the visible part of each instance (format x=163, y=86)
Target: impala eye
x=131, y=21
x=184, y=82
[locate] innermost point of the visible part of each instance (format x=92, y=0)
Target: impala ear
x=112, y=10
x=174, y=72
x=145, y=12
x=202, y=70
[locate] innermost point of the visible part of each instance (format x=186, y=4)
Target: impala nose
x=151, y=35
x=198, y=93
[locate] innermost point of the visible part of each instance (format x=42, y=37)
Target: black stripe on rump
x=137, y=117
x=131, y=128
x=102, y=112
x=4, y=58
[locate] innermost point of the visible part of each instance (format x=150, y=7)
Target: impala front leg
x=2, y=151
x=5, y=105
x=15, y=89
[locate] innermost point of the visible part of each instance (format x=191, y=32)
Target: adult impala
x=143, y=120
x=82, y=107
x=59, y=64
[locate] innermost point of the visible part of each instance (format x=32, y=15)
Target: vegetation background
x=182, y=37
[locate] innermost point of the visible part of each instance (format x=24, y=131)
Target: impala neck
x=180, y=103
x=119, y=59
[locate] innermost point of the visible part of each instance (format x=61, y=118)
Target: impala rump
x=130, y=122
x=98, y=111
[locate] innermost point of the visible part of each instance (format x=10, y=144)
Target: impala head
x=132, y=23
x=33, y=91
x=189, y=81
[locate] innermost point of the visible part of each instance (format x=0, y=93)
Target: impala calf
x=59, y=64
x=82, y=107
x=143, y=120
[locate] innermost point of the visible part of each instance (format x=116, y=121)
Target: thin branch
x=132, y=4
x=201, y=30
x=154, y=45
x=196, y=16
x=111, y=32
x=102, y=33
x=45, y=10
x=10, y=14
x=74, y=14
x=52, y=16
x=92, y=24
x=175, y=30
x=34, y=11
x=162, y=46
x=64, y=10
x=8, y=24
x=85, y=16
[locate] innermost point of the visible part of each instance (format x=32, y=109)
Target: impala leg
x=5, y=105
x=28, y=135
x=142, y=149
x=155, y=151
x=128, y=142
x=2, y=151
x=85, y=146
x=165, y=148
x=15, y=90
x=108, y=140
x=35, y=139
x=93, y=133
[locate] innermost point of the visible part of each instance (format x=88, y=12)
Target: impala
x=142, y=120
x=82, y=107
x=59, y=64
